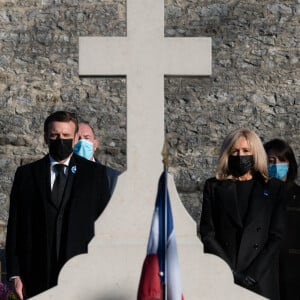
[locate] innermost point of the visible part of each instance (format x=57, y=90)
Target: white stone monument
x=112, y=268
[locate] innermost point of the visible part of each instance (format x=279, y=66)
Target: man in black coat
x=52, y=214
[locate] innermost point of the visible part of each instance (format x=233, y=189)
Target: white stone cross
x=144, y=56
x=112, y=267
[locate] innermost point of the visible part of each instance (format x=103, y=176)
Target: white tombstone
x=112, y=268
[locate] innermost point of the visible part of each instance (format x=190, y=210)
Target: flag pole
x=165, y=160
x=165, y=155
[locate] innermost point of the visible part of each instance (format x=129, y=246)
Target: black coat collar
x=226, y=192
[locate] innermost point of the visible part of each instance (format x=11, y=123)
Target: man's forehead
x=85, y=129
x=57, y=125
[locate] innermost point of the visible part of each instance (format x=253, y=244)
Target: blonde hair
x=256, y=146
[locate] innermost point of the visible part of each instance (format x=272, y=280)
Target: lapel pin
x=266, y=193
x=73, y=169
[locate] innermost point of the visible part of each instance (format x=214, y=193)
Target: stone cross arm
x=121, y=56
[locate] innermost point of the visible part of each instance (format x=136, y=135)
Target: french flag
x=160, y=278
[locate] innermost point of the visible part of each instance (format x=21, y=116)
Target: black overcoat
x=289, y=259
x=29, y=229
x=253, y=247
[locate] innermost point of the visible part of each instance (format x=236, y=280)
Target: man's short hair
x=88, y=124
x=60, y=116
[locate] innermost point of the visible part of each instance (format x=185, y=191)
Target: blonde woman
x=243, y=214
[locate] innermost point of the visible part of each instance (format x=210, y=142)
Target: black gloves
x=242, y=279
x=249, y=281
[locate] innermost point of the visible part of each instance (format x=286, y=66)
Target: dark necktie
x=59, y=184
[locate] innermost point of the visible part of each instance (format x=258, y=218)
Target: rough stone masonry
x=255, y=82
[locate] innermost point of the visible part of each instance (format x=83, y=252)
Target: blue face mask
x=278, y=170
x=84, y=148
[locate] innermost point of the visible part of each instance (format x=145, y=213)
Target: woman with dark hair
x=243, y=214
x=283, y=165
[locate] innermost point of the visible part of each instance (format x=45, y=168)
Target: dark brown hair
x=284, y=152
x=60, y=116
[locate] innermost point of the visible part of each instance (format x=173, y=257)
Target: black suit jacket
x=112, y=176
x=29, y=231
x=253, y=247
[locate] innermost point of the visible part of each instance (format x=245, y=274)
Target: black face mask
x=240, y=165
x=60, y=149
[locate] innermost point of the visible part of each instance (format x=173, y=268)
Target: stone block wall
x=255, y=82
x=39, y=74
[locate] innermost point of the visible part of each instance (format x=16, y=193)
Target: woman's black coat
x=251, y=248
x=289, y=261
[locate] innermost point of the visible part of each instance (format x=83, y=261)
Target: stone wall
x=39, y=74
x=255, y=82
